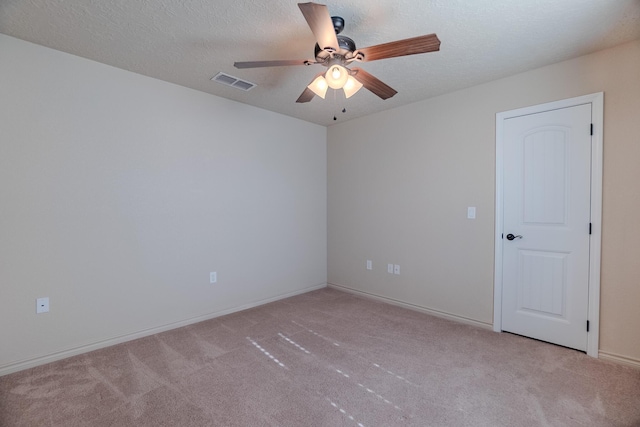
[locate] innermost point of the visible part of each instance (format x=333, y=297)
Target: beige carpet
x=325, y=358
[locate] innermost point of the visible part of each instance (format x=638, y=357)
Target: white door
x=546, y=225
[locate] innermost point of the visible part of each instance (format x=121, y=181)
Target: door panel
x=545, y=176
x=547, y=158
x=542, y=285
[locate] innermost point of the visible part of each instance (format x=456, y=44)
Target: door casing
x=597, y=115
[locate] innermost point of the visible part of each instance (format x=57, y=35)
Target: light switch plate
x=213, y=277
x=369, y=265
x=471, y=212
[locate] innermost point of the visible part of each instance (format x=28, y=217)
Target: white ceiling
x=188, y=41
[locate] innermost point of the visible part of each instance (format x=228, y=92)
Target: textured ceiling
x=188, y=41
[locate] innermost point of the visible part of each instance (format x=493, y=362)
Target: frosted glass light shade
x=351, y=87
x=336, y=76
x=319, y=86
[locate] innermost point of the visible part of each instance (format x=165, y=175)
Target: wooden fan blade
x=412, y=46
x=258, y=64
x=319, y=20
x=308, y=94
x=372, y=83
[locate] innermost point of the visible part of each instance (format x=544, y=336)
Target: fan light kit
x=336, y=52
x=337, y=77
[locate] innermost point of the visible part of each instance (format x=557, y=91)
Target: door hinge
x=591, y=130
x=589, y=228
x=587, y=326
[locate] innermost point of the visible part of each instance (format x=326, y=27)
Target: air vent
x=228, y=80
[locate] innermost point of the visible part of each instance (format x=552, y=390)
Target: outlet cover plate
x=213, y=277
x=42, y=305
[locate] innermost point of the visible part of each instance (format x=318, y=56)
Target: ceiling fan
x=336, y=52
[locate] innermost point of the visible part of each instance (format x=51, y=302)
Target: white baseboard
x=41, y=360
x=414, y=307
x=618, y=358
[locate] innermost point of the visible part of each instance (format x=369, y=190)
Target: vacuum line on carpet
x=343, y=412
x=399, y=377
x=315, y=333
x=387, y=401
x=290, y=341
x=266, y=353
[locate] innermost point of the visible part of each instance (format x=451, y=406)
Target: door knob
x=511, y=237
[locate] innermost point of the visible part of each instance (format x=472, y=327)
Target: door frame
x=595, y=241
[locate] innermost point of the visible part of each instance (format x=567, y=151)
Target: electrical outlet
x=42, y=305
x=390, y=268
x=396, y=269
x=369, y=265
x=213, y=277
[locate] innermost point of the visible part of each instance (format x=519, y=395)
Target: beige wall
x=399, y=184
x=120, y=193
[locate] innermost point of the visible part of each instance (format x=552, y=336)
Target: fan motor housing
x=345, y=46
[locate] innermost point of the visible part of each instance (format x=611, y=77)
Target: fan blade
x=412, y=46
x=372, y=83
x=258, y=64
x=319, y=20
x=308, y=94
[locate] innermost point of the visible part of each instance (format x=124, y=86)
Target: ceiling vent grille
x=228, y=80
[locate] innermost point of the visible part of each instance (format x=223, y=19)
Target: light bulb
x=336, y=76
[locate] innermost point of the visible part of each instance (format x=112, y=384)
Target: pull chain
x=335, y=105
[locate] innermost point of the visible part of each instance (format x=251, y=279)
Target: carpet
x=325, y=358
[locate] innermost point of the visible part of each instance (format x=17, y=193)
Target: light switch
x=369, y=265
x=471, y=212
